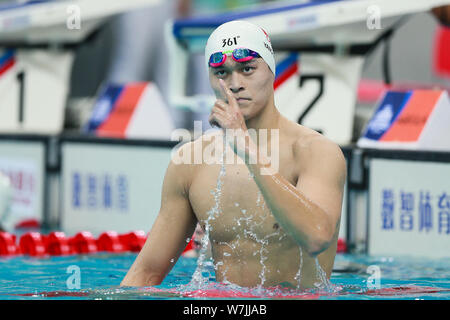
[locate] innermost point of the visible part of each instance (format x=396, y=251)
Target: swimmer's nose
x=235, y=83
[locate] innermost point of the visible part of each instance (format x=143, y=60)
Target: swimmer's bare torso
x=249, y=247
x=266, y=224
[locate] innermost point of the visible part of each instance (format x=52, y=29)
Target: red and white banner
x=133, y=110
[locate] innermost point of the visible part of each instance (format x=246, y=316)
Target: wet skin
x=269, y=226
x=249, y=247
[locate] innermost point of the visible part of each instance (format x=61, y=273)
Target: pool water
x=98, y=277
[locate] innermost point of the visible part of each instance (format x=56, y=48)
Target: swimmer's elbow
x=141, y=279
x=317, y=248
x=319, y=243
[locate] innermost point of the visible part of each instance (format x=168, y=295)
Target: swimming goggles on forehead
x=239, y=55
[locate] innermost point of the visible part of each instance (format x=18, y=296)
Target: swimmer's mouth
x=242, y=99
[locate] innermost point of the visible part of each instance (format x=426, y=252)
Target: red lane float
x=227, y=293
x=133, y=241
x=33, y=244
x=83, y=242
x=404, y=291
x=109, y=241
x=341, y=246
x=8, y=244
x=208, y=293
x=57, y=244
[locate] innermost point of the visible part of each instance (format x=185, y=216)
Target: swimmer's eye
x=220, y=73
x=248, y=69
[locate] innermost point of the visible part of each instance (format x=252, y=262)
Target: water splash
x=298, y=276
x=205, y=267
x=324, y=283
x=250, y=232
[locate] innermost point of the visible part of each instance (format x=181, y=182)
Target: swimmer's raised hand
x=226, y=114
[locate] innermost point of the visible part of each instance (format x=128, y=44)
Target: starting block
x=416, y=120
x=36, y=56
x=133, y=110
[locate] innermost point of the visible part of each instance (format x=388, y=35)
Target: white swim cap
x=240, y=34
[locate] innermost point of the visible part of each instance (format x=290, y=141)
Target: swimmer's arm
x=309, y=211
x=167, y=239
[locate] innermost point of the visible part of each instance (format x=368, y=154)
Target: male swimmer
x=274, y=221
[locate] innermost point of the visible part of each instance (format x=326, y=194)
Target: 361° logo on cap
x=230, y=41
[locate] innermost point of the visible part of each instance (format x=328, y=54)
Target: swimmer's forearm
x=304, y=220
x=300, y=217
x=140, y=278
x=141, y=274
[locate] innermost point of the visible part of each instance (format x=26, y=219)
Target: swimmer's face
x=251, y=83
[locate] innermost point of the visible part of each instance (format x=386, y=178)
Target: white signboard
x=327, y=95
x=33, y=90
x=111, y=187
x=409, y=208
x=23, y=162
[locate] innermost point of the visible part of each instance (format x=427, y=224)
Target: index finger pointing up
x=228, y=94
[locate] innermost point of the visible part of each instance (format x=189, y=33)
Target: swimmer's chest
x=237, y=208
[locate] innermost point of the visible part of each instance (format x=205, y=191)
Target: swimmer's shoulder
x=184, y=153
x=311, y=148
x=180, y=168
x=183, y=163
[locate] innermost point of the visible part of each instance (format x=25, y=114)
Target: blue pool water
x=101, y=274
